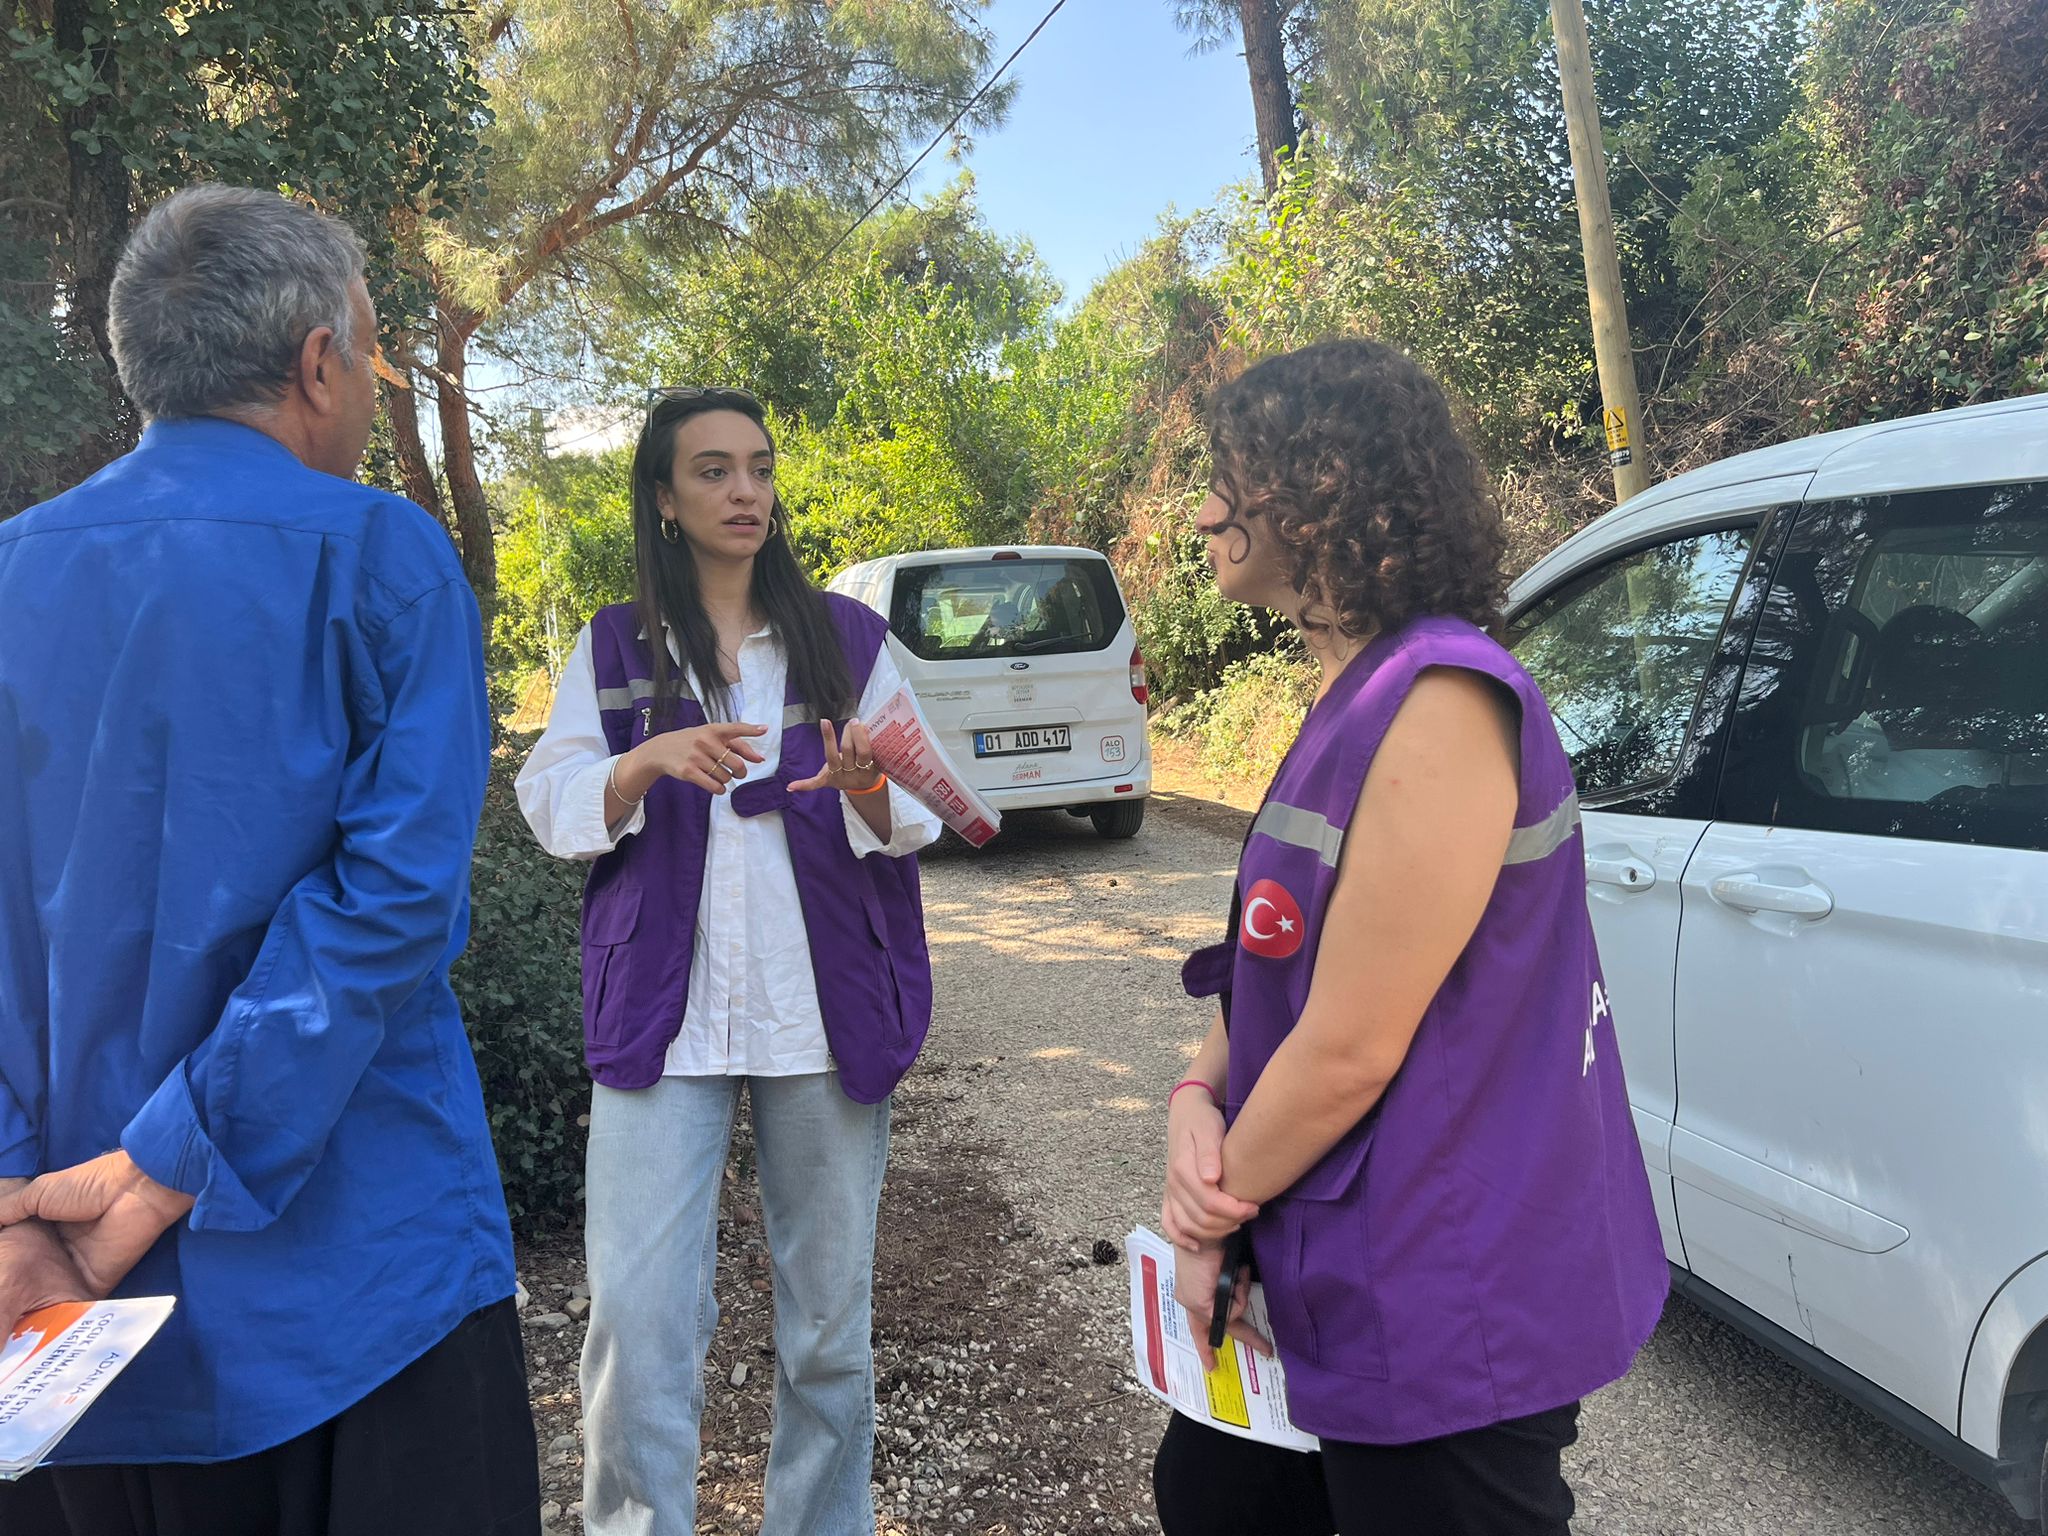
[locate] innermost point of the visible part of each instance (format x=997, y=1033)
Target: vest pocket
x=609, y=921
x=1316, y=1265
x=888, y=996
x=1207, y=971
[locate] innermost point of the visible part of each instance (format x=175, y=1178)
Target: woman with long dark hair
x=1411, y=1097
x=752, y=916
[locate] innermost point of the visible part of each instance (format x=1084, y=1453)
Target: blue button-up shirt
x=243, y=741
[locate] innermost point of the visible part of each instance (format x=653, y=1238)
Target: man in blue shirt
x=243, y=741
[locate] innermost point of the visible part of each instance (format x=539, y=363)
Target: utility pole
x=1612, y=348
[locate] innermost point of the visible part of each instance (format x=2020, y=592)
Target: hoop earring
x=774, y=525
x=670, y=531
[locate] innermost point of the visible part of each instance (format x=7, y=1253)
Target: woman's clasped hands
x=1197, y=1216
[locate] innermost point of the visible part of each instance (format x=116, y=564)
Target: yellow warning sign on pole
x=1618, y=451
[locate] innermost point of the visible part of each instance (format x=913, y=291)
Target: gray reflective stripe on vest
x=637, y=688
x=798, y=714
x=1547, y=836
x=622, y=698
x=1299, y=828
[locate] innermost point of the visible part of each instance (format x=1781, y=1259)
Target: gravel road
x=1057, y=957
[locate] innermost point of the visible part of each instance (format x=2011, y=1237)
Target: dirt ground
x=989, y=1420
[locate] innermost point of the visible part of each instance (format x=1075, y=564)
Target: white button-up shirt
x=753, y=1004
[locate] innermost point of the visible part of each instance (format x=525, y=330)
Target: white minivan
x=1805, y=691
x=1027, y=668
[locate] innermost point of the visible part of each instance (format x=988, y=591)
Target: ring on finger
x=865, y=767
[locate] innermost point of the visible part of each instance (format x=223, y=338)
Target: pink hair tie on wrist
x=1194, y=1082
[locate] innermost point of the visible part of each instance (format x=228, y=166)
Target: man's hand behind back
x=36, y=1271
x=106, y=1214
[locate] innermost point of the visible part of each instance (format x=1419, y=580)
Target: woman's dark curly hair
x=1381, y=512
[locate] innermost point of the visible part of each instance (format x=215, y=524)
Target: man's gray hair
x=216, y=292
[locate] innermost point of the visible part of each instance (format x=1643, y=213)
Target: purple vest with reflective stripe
x=1481, y=1246
x=864, y=917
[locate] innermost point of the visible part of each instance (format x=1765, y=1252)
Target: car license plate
x=1030, y=738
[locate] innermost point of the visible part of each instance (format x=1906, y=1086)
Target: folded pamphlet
x=57, y=1361
x=1246, y=1395
x=911, y=756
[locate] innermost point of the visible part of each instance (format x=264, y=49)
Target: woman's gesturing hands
x=716, y=756
x=849, y=765
x=709, y=756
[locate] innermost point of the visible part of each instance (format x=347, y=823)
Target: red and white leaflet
x=1246, y=1395
x=914, y=760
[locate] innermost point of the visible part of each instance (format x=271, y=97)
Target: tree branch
x=582, y=219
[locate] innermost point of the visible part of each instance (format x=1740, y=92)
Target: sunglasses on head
x=689, y=394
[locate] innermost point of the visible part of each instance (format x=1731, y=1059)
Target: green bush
x=520, y=983
x=1189, y=630
x=1242, y=728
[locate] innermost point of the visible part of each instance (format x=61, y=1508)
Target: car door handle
x=1620, y=868
x=1752, y=892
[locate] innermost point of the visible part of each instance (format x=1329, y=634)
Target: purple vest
x=864, y=917
x=1482, y=1245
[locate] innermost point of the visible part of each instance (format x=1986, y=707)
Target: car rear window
x=1027, y=607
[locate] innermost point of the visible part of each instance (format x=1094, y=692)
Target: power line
x=908, y=171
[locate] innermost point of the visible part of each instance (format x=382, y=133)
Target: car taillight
x=1140, y=689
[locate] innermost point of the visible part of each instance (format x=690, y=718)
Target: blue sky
x=1112, y=122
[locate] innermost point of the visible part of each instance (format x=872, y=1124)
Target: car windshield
x=1024, y=607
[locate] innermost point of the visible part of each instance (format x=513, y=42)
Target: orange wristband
x=880, y=784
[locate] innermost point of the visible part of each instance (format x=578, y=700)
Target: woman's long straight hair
x=668, y=591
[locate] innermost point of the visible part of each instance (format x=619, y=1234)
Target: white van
x=1027, y=668
x=1805, y=691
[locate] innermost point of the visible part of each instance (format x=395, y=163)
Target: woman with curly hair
x=1411, y=1098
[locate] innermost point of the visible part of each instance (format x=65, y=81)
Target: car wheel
x=1120, y=820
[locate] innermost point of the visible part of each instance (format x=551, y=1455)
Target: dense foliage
x=521, y=991
x=111, y=104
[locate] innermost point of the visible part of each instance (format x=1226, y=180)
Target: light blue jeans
x=656, y=1165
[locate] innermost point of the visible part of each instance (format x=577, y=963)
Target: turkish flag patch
x=1272, y=924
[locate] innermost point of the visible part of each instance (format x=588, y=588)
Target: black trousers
x=1505, y=1480
x=445, y=1448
